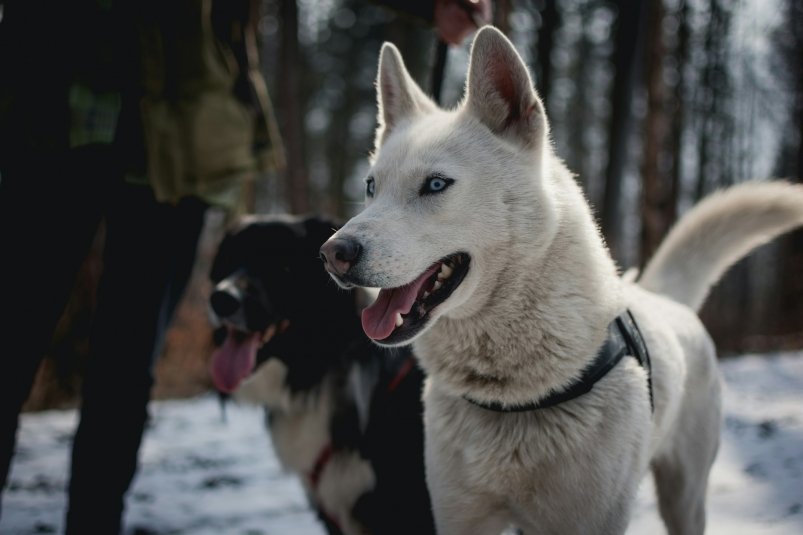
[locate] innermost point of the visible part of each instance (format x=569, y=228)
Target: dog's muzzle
x=340, y=254
x=226, y=299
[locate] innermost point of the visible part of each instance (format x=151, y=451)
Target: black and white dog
x=343, y=413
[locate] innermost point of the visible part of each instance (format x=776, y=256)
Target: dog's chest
x=299, y=435
x=502, y=456
x=517, y=455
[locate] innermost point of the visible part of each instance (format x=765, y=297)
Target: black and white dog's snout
x=226, y=299
x=340, y=254
x=239, y=302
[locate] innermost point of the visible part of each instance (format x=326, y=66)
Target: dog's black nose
x=340, y=254
x=224, y=303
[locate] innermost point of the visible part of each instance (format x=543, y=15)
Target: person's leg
x=49, y=213
x=150, y=251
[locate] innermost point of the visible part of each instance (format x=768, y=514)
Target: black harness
x=624, y=338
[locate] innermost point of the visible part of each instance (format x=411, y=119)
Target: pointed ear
x=499, y=90
x=398, y=96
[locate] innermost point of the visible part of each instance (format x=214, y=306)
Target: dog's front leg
x=459, y=507
x=460, y=511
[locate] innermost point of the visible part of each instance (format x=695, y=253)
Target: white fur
x=346, y=477
x=533, y=309
x=266, y=386
x=719, y=231
x=300, y=431
x=300, y=423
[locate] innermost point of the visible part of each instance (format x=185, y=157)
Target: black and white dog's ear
x=398, y=96
x=224, y=260
x=500, y=93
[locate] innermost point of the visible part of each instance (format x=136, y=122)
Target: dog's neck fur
x=535, y=335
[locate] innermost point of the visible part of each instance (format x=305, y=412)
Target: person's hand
x=456, y=19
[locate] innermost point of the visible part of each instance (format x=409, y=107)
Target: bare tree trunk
x=705, y=94
x=338, y=159
x=501, y=15
x=339, y=163
x=546, y=39
x=657, y=200
x=629, y=42
x=580, y=115
x=678, y=104
x=292, y=117
x=798, y=19
x=712, y=102
x=791, y=287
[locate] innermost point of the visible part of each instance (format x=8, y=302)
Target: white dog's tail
x=716, y=233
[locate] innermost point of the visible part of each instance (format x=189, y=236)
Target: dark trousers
x=148, y=257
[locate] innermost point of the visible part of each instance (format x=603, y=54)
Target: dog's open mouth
x=400, y=313
x=235, y=359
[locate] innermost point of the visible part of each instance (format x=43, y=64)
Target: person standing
x=141, y=114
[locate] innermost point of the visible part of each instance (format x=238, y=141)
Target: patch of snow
x=201, y=475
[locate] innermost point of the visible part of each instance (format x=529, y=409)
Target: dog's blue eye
x=370, y=187
x=435, y=184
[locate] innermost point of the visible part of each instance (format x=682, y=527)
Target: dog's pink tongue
x=379, y=319
x=234, y=360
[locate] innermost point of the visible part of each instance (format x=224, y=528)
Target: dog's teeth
x=399, y=319
x=436, y=286
x=445, y=273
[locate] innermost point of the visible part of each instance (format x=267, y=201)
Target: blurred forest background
x=653, y=103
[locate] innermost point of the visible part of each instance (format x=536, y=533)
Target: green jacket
x=176, y=85
x=207, y=122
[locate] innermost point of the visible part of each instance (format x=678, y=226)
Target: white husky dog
x=490, y=262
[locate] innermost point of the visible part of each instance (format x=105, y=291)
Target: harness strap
x=325, y=455
x=624, y=338
x=404, y=370
x=637, y=347
x=320, y=462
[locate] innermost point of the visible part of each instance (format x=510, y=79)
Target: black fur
x=275, y=261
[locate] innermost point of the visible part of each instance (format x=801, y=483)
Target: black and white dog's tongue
x=233, y=361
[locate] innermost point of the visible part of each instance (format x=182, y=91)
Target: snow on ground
x=200, y=475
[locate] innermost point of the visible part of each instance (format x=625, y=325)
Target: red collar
x=325, y=455
x=404, y=369
x=320, y=463
x=314, y=478
x=326, y=452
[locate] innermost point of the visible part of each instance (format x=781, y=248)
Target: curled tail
x=716, y=233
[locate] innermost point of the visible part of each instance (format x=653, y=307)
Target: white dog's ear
x=398, y=96
x=499, y=90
